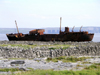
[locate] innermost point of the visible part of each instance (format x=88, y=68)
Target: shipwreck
x=38, y=35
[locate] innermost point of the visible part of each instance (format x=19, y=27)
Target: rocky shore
x=75, y=49
x=42, y=50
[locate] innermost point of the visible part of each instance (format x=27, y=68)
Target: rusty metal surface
x=37, y=35
x=37, y=31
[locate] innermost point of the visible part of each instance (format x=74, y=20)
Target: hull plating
x=52, y=37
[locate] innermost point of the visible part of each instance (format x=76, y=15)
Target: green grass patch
x=53, y=47
x=18, y=45
x=67, y=59
x=51, y=72
x=9, y=69
x=94, y=66
x=91, y=70
x=20, y=58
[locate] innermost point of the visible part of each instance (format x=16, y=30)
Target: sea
x=96, y=37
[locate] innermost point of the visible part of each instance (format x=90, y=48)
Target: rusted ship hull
x=38, y=35
x=52, y=37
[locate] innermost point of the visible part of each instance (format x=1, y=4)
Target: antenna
x=16, y=26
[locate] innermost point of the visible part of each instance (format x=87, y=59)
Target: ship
x=38, y=35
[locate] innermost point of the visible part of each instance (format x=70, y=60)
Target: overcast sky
x=47, y=13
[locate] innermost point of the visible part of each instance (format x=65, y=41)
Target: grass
x=19, y=58
x=53, y=47
x=94, y=66
x=56, y=46
x=51, y=72
x=94, y=69
x=9, y=69
x=91, y=70
x=18, y=45
x=67, y=59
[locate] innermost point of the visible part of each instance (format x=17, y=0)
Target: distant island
x=51, y=30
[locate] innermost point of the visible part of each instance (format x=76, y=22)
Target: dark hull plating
x=38, y=35
x=52, y=37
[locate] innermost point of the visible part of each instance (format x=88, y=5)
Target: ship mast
x=16, y=26
x=60, y=23
x=80, y=28
x=73, y=28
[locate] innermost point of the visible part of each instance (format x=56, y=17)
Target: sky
x=47, y=13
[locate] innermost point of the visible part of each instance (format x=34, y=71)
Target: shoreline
x=33, y=54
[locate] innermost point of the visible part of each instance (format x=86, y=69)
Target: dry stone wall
x=91, y=49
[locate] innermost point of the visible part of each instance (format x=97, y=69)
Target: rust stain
x=38, y=35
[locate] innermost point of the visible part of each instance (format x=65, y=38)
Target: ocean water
x=95, y=39
x=3, y=37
